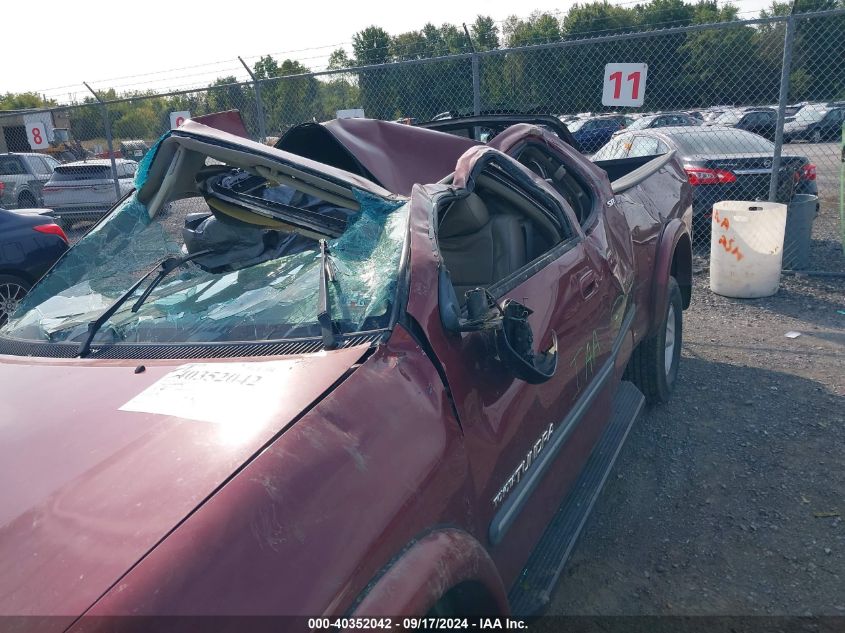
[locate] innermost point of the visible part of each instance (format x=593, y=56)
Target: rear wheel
x=27, y=201
x=12, y=290
x=653, y=367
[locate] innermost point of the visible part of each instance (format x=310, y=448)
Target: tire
x=653, y=367
x=816, y=137
x=12, y=290
x=27, y=201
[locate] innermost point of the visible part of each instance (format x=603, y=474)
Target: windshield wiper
x=164, y=268
x=324, y=315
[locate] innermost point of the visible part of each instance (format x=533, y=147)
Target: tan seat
x=479, y=248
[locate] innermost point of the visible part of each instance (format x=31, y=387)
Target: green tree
x=371, y=46
x=227, y=94
x=23, y=101
x=409, y=45
x=339, y=59
x=290, y=95
x=595, y=17
x=725, y=66
x=539, y=28
x=138, y=121
x=664, y=14
x=86, y=121
x=819, y=53
x=485, y=33
x=337, y=91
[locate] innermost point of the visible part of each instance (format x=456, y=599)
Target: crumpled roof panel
x=394, y=155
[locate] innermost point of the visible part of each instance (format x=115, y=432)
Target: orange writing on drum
x=728, y=245
x=722, y=222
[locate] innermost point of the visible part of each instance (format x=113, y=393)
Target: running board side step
x=533, y=589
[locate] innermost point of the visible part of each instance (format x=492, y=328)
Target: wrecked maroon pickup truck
x=377, y=370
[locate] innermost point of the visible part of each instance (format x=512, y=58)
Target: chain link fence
x=754, y=108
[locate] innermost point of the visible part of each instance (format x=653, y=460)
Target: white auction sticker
x=217, y=392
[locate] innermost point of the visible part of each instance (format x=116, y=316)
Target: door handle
x=588, y=284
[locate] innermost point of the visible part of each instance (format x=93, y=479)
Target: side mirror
x=515, y=344
x=509, y=326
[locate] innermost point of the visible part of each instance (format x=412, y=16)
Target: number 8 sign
x=624, y=84
x=37, y=136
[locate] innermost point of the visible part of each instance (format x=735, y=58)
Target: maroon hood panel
x=89, y=487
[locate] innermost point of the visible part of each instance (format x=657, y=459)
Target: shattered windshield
x=246, y=281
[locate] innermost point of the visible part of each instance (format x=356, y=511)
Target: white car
x=86, y=189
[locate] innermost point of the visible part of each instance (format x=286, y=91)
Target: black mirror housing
x=509, y=324
x=515, y=345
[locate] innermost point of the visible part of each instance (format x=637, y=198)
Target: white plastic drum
x=746, y=248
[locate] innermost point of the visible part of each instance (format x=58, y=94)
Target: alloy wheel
x=11, y=294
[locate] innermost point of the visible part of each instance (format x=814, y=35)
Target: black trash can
x=800, y=214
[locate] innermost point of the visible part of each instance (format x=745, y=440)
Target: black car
x=721, y=163
x=30, y=243
x=761, y=121
x=815, y=123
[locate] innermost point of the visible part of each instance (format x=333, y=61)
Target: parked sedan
x=815, y=124
x=760, y=121
x=29, y=244
x=592, y=133
x=22, y=176
x=721, y=163
x=85, y=188
x=663, y=119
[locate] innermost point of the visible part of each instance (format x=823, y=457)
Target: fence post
x=842, y=189
x=476, y=79
x=259, y=106
x=109, y=141
x=476, y=85
x=788, y=42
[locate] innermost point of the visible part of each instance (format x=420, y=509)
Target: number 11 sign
x=624, y=84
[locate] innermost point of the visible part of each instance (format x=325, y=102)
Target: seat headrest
x=465, y=216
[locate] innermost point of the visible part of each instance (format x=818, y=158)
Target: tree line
x=734, y=63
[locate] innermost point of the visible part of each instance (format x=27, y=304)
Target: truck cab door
x=493, y=230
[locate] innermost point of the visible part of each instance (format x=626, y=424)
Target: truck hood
x=100, y=460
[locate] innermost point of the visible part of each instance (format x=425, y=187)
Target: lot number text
x=624, y=84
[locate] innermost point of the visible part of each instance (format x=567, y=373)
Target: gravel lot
x=730, y=500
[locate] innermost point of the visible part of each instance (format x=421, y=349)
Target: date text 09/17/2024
x=413, y=624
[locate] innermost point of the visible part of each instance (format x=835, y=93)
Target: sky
x=172, y=45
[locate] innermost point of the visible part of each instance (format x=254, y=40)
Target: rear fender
x=673, y=258
x=430, y=568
